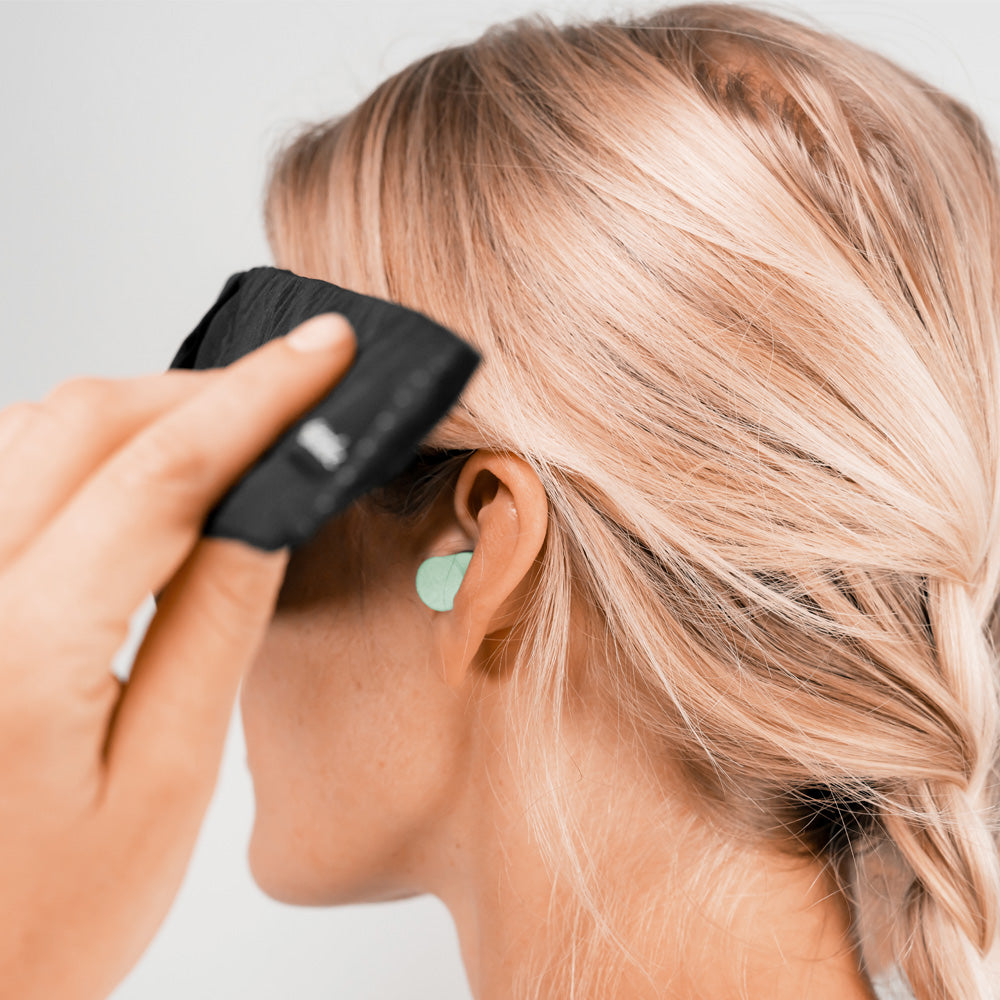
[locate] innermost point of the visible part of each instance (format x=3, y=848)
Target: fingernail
x=319, y=333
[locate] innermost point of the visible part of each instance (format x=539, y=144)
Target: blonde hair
x=735, y=284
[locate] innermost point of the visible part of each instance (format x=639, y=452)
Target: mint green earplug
x=439, y=578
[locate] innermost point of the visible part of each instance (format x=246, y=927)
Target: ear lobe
x=464, y=628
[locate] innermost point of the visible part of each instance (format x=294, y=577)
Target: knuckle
x=231, y=603
x=163, y=459
x=79, y=396
x=77, y=404
x=225, y=608
x=23, y=410
x=36, y=428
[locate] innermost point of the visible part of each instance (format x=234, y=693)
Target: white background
x=135, y=138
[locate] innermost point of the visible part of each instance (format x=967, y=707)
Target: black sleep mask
x=408, y=371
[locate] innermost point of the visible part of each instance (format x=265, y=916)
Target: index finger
x=136, y=519
x=64, y=438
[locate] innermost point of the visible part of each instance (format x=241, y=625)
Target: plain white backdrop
x=135, y=137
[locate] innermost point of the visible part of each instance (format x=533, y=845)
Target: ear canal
x=439, y=578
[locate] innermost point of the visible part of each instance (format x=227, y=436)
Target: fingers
x=134, y=521
x=49, y=448
x=211, y=617
x=172, y=720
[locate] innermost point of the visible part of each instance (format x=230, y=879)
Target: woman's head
x=735, y=285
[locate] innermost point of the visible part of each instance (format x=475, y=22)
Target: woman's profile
x=715, y=712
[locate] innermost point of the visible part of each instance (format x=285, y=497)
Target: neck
x=702, y=917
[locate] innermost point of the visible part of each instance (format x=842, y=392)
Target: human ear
x=500, y=513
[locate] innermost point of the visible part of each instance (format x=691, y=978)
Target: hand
x=104, y=487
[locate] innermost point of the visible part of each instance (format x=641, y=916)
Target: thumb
x=170, y=725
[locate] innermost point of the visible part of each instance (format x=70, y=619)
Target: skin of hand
x=104, y=487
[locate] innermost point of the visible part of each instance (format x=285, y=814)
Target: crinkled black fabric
x=407, y=373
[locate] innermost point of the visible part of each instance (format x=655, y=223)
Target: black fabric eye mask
x=408, y=371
